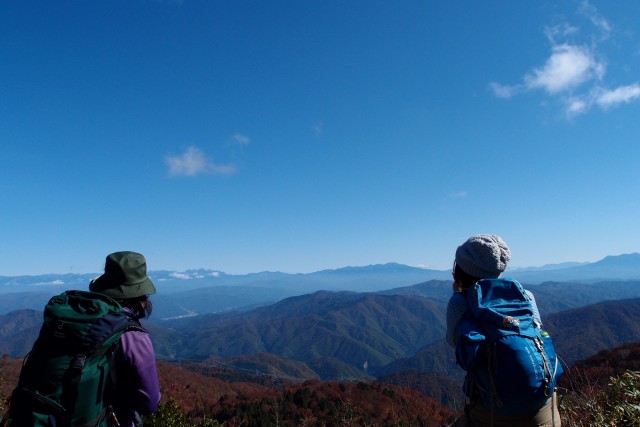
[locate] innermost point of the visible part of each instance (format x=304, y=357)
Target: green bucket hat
x=125, y=276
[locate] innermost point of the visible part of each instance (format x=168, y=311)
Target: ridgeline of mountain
x=340, y=334
x=584, y=331
x=551, y=297
x=202, y=291
x=343, y=335
x=614, y=360
x=362, y=331
x=620, y=267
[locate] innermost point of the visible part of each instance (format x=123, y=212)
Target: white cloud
x=504, y=91
x=576, y=106
x=194, y=162
x=621, y=95
x=567, y=67
x=560, y=32
x=241, y=139
x=590, y=11
x=57, y=282
x=182, y=276
x=459, y=195
x=603, y=98
x=317, y=129
x=574, y=71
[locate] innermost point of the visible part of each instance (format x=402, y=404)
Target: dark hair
x=465, y=280
x=140, y=306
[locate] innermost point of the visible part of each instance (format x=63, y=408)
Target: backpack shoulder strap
x=107, y=329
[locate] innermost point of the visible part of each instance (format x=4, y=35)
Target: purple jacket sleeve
x=138, y=386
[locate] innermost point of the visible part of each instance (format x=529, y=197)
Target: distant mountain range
x=354, y=322
x=193, y=292
x=620, y=267
x=351, y=335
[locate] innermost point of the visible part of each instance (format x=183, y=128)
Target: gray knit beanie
x=484, y=256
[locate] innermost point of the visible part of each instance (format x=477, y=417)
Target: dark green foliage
x=3, y=397
x=170, y=415
x=603, y=390
x=615, y=402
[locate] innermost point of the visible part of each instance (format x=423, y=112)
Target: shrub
x=616, y=403
x=169, y=414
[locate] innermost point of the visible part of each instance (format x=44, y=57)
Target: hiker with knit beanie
x=486, y=256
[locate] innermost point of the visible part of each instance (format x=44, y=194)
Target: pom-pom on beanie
x=484, y=256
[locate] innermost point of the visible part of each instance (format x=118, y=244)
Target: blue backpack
x=510, y=362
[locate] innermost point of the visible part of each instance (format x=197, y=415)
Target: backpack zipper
x=547, y=366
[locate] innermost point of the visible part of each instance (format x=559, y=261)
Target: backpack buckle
x=78, y=361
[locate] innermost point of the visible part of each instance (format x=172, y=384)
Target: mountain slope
x=18, y=332
x=358, y=329
x=582, y=332
x=346, y=334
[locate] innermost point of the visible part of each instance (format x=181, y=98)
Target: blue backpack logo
x=509, y=360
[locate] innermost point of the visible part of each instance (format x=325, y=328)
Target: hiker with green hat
x=125, y=280
x=93, y=363
x=125, y=277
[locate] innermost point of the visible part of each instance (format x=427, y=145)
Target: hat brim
x=123, y=291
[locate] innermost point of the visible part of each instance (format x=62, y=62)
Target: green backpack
x=68, y=379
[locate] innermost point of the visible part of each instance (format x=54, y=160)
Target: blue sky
x=298, y=136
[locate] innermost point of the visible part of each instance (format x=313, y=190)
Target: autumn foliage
x=311, y=403
x=602, y=390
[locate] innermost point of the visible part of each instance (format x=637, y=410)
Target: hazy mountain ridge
x=619, y=267
x=201, y=291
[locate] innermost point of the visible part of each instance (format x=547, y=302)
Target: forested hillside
x=344, y=335
x=365, y=331
x=585, y=331
x=601, y=390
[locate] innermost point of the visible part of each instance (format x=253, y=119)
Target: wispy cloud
x=459, y=195
x=241, y=139
x=574, y=72
x=317, y=129
x=194, y=162
x=588, y=10
x=620, y=95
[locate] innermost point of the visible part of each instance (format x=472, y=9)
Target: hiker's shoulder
x=458, y=298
